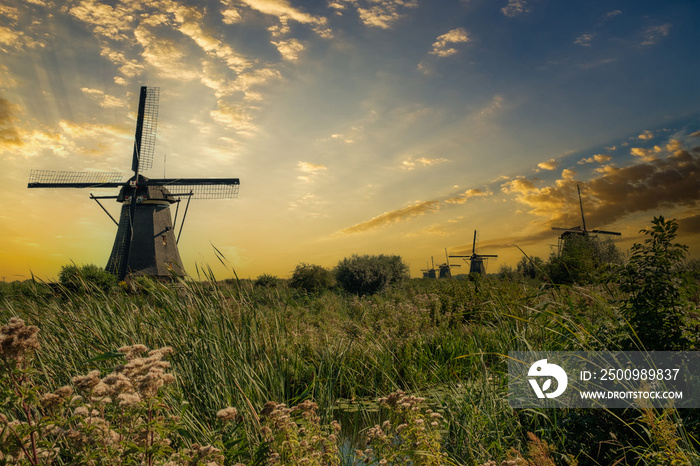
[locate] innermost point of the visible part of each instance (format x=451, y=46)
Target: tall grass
x=239, y=345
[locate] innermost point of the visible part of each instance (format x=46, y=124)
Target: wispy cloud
x=411, y=164
x=310, y=170
x=375, y=13
x=515, y=8
x=653, y=34
x=417, y=209
x=550, y=164
x=584, y=40
x=600, y=158
x=8, y=133
x=442, y=47
x=394, y=216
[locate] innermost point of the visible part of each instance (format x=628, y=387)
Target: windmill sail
x=146, y=124
x=68, y=179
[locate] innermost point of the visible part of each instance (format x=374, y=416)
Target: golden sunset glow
x=355, y=126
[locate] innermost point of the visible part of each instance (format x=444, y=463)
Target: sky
x=354, y=126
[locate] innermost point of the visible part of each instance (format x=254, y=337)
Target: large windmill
x=476, y=261
x=145, y=243
x=581, y=229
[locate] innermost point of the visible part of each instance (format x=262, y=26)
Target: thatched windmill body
x=581, y=229
x=477, y=262
x=145, y=243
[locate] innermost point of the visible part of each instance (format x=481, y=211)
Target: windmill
x=476, y=264
x=429, y=272
x=445, y=270
x=581, y=229
x=145, y=243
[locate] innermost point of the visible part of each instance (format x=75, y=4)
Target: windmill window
x=164, y=240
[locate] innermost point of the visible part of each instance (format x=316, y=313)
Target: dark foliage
x=311, y=278
x=370, y=274
x=86, y=278
x=654, y=279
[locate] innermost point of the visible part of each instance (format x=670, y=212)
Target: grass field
x=240, y=345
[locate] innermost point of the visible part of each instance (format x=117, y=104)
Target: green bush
x=85, y=278
x=266, y=281
x=583, y=259
x=370, y=274
x=657, y=293
x=311, y=278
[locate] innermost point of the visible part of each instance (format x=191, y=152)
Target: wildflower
x=128, y=400
x=227, y=414
x=87, y=382
x=17, y=339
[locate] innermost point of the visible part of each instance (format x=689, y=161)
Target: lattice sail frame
x=212, y=190
x=148, y=130
x=69, y=178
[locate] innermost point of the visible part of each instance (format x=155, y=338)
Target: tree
x=530, y=267
x=654, y=280
x=582, y=259
x=311, y=278
x=370, y=274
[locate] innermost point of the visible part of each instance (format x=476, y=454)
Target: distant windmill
x=445, y=270
x=476, y=260
x=429, y=272
x=145, y=243
x=581, y=229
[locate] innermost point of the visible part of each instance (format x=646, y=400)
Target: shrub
x=370, y=274
x=582, y=259
x=266, y=281
x=654, y=280
x=86, y=278
x=311, y=278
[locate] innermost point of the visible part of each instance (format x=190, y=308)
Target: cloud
x=422, y=161
x=442, y=46
x=105, y=100
x=518, y=185
x=492, y=108
x=661, y=183
x=466, y=195
x=394, y=216
x=645, y=154
x=568, y=174
x=380, y=13
x=646, y=135
x=584, y=40
x=289, y=49
x=309, y=170
x=416, y=210
x=284, y=12
x=611, y=14
x=8, y=133
x=234, y=116
x=515, y=8
x=600, y=158
x=653, y=34
x=550, y=164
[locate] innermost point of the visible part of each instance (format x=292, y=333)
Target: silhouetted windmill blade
x=200, y=188
x=69, y=179
x=486, y=255
x=574, y=229
x=146, y=124
x=604, y=232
